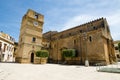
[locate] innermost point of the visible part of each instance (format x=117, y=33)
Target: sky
x=59, y=15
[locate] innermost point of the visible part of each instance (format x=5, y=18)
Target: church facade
x=92, y=41
x=30, y=38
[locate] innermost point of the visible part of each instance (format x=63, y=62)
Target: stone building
x=117, y=52
x=30, y=38
x=92, y=41
x=6, y=47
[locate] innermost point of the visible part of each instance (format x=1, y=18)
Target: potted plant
x=68, y=54
x=43, y=55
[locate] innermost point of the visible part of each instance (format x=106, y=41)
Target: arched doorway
x=32, y=57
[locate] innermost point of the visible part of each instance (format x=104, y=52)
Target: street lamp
x=86, y=56
x=57, y=52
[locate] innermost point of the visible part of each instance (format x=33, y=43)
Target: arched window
x=69, y=34
x=90, y=39
x=36, y=16
x=74, y=42
x=33, y=39
x=81, y=31
x=95, y=28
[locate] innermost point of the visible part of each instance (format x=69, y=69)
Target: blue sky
x=60, y=14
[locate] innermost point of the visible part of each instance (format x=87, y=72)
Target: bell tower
x=30, y=38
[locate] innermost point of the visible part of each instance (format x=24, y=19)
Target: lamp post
x=86, y=56
x=80, y=37
x=57, y=53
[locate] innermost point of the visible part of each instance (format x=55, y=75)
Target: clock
x=35, y=23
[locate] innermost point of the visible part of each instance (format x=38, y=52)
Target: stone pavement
x=14, y=71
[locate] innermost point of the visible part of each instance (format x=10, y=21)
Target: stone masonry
x=91, y=41
x=30, y=39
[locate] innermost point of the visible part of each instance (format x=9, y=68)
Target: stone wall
x=87, y=39
x=30, y=39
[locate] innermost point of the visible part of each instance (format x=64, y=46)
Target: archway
x=32, y=58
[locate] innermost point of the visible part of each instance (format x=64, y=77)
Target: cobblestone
x=14, y=71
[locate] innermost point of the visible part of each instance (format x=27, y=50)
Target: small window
x=36, y=16
x=116, y=48
x=74, y=41
x=118, y=56
x=34, y=39
x=69, y=34
x=94, y=28
x=90, y=39
x=81, y=31
x=5, y=46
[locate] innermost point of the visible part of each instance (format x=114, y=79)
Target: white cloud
x=77, y=20
x=113, y=21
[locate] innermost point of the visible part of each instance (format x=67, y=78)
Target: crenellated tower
x=30, y=38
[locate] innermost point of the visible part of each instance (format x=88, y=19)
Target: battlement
x=87, y=23
x=86, y=27
x=34, y=15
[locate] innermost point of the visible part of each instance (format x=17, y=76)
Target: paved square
x=14, y=71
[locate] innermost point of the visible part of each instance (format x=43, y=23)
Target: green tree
x=42, y=53
x=68, y=53
x=119, y=47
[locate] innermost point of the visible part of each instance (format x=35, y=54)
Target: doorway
x=32, y=58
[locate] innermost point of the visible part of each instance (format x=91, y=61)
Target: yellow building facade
x=30, y=38
x=92, y=42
